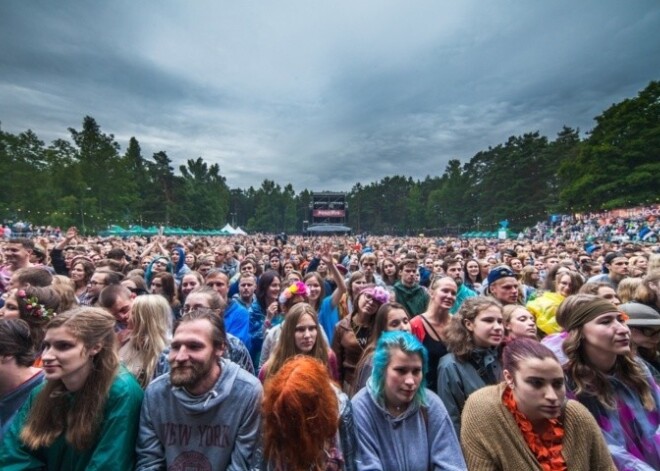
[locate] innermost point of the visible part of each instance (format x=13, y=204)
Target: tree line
x=87, y=181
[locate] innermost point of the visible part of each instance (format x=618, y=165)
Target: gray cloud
x=321, y=94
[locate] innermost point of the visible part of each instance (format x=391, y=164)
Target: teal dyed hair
x=408, y=344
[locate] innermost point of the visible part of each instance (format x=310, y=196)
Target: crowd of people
x=328, y=353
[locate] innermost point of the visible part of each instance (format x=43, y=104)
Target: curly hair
x=458, y=338
x=590, y=380
x=300, y=413
x=286, y=345
x=53, y=412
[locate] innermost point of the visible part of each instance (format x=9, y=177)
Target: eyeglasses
x=648, y=331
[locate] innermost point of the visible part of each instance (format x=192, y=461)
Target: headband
x=585, y=313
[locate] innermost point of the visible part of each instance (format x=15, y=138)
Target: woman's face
x=288, y=268
x=174, y=255
x=159, y=266
x=314, y=288
x=522, y=324
x=77, y=273
x=607, y=334
x=190, y=260
x=397, y=319
x=247, y=269
x=275, y=263
x=538, y=388
x=157, y=286
x=444, y=295
x=357, y=285
x=189, y=283
x=389, y=268
x=322, y=268
x=274, y=288
x=292, y=278
x=10, y=309
x=473, y=268
x=608, y=293
x=65, y=358
x=306, y=333
x=487, y=329
x=403, y=377
x=564, y=285
x=645, y=337
x=641, y=263
x=367, y=304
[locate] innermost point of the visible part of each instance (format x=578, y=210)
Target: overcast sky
x=322, y=94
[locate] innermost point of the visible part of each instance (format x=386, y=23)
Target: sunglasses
x=648, y=331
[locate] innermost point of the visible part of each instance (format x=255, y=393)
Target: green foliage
x=619, y=164
x=85, y=181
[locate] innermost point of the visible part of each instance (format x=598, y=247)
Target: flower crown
x=378, y=294
x=295, y=289
x=34, y=308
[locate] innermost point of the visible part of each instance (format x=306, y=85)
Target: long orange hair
x=301, y=415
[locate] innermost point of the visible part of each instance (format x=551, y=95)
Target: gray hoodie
x=220, y=430
x=414, y=441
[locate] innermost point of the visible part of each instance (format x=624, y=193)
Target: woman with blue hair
x=158, y=264
x=400, y=424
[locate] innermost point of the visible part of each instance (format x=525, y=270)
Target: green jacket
x=114, y=449
x=414, y=299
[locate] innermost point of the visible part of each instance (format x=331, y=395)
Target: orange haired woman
x=301, y=401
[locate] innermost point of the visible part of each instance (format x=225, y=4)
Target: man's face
x=551, y=261
x=505, y=290
x=193, y=358
x=96, y=284
x=220, y=255
x=204, y=269
x=619, y=267
x=539, y=265
x=121, y=309
x=246, y=288
x=16, y=255
x=455, y=272
x=408, y=274
x=368, y=267
x=219, y=283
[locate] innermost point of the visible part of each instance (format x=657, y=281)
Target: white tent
x=229, y=229
x=240, y=231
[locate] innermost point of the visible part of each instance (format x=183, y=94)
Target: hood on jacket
x=200, y=404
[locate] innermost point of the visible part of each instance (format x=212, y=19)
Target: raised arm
x=334, y=273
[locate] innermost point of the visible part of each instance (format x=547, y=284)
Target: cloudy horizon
x=321, y=94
